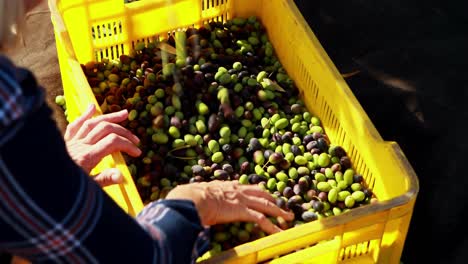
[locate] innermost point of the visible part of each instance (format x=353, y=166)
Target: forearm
x=50, y=210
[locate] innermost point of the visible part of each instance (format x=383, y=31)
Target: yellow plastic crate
x=87, y=30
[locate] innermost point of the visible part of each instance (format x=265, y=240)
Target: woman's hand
x=88, y=140
x=220, y=202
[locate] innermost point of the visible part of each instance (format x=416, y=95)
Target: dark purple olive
x=276, y=158
x=312, y=144
x=236, y=176
x=336, y=167
x=258, y=131
x=294, y=200
x=214, y=123
x=322, y=144
x=245, y=166
x=208, y=67
x=307, y=138
x=339, y=151
x=341, y=205
x=241, y=142
x=287, y=137
x=345, y=162
x=215, y=166
x=323, y=196
x=196, y=179
x=198, y=78
x=315, y=151
x=311, y=194
x=368, y=192
x=317, y=135
x=255, y=178
x=308, y=216
x=295, y=150
x=227, y=148
x=288, y=192
x=285, y=164
x=209, y=77
x=290, y=183
x=254, y=144
x=201, y=162
x=267, y=153
x=207, y=138
x=228, y=168
x=242, y=74
x=303, y=184
x=358, y=178
x=281, y=203
x=221, y=175
x=276, y=137
x=198, y=170
x=318, y=206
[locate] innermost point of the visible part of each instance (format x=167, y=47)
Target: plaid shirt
x=52, y=212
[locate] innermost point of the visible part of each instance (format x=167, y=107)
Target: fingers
x=254, y=190
x=250, y=215
x=113, y=143
x=90, y=124
x=109, y=177
x=105, y=128
x=265, y=206
x=73, y=127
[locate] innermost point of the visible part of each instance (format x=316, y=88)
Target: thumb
x=109, y=177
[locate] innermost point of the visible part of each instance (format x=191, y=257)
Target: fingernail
x=90, y=107
x=138, y=152
x=117, y=178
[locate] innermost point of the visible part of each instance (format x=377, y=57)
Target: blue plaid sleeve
x=176, y=226
x=52, y=212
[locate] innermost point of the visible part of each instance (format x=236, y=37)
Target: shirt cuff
x=176, y=228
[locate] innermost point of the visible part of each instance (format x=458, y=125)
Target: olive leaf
x=103, y=106
x=180, y=157
x=163, y=46
x=272, y=85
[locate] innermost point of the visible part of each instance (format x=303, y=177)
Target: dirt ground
x=412, y=58
x=38, y=53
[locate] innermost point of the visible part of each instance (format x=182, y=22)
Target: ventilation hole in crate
x=333, y=124
x=107, y=29
x=358, y=163
x=354, y=251
x=339, y=136
x=365, y=174
x=351, y=151
x=371, y=181
x=329, y=114
x=326, y=110
x=98, y=32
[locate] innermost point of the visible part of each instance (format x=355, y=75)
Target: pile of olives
x=215, y=103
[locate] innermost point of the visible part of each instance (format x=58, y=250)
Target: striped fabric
x=52, y=212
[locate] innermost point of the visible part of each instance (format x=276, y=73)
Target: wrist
x=195, y=194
